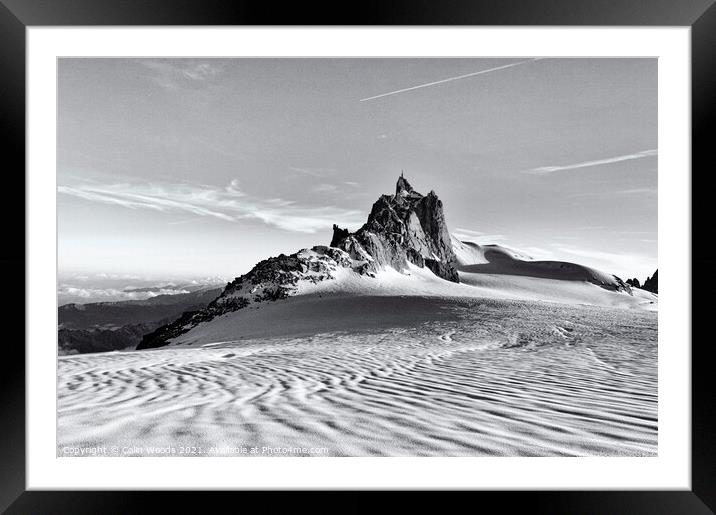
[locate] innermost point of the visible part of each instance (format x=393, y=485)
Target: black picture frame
x=17, y=15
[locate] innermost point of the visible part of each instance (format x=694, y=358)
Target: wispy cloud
x=637, y=191
x=477, y=236
x=311, y=171
x=230, y=204
x=324, y=188
x=591, y=228
x=468, y=232
x=623, y=264
x=181, y=73
x=544, y=170
x=597, y=254
x=450, y=79
x=538, y=253
x=112, y=294
x=330, y=188
x=604, y=192
x=84, y=288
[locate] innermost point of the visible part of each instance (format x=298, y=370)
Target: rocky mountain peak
x=652, y=283
x=407, y=227
x=634, y=282
x=403, y=187
x=404, y=228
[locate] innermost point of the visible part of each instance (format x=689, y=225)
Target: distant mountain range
x=107, y=326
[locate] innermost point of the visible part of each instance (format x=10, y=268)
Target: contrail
x=451, y=79
x=542, y=170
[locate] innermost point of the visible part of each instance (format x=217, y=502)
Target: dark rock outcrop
x=633, y=282
x=270, y=280
x=403, y=228
x=652, y=283
x=338, y=235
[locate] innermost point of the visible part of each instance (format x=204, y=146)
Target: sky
x=179, y=168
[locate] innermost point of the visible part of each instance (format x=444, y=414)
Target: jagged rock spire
x=403, y=187
x=407, y=227
x=652, y=283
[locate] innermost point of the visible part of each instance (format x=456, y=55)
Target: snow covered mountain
x=495, y=259
x=404, y=249
x=403, y=228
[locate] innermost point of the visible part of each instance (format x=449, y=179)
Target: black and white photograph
x=355, y=257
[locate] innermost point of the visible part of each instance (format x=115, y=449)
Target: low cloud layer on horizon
x=87, y=288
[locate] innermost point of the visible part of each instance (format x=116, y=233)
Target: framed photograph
x=273, y=251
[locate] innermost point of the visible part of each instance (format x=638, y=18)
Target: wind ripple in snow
x=516, y=379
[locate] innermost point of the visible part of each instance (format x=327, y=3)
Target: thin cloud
x=443, y=81
x=637, y=191
x=597, y=254
x=181, y=222
x=324, y=188
x=544, y=170
x=180, y=73
x=591, y=228
x=612, y=262
x=538, y=253
x=470, y=235
x=96, y=294
x=311, y=171
x=229, y=204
